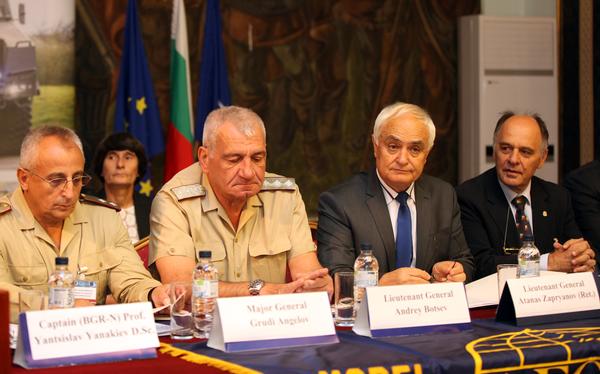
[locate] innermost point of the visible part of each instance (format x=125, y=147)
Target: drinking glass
x=344, y=299
x=181, y=310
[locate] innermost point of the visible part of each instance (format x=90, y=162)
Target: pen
x=432, y=279
x=449, y=271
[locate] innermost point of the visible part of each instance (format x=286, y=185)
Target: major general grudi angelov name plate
x=272, y=321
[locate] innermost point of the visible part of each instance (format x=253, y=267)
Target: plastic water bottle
x=528, y=259
x=205, y=290
x=60, y=294
x=366, y=273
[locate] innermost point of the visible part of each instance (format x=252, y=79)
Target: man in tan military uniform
x=45, y=218
x=254, y=226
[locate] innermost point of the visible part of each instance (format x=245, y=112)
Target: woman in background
x=119, y=162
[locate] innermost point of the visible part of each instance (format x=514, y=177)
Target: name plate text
x=413, y=309
x=73, y=336
x=262, y=322
x=547, y=299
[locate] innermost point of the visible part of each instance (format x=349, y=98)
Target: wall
x=318, y=74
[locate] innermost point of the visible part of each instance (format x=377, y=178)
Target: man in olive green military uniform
x=46, y=217
x=255, y=226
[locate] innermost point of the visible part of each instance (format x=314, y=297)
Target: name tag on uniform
x=85, y=290
x=413, y=309
x=64, y=337
x=272, y=321
x=565, y=297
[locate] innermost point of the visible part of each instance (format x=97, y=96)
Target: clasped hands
x=316, y=280
x=443, y=271
x=573, y=256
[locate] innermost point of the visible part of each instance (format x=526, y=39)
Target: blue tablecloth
x=488, y=347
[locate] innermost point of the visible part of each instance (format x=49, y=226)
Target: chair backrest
x=141, y=247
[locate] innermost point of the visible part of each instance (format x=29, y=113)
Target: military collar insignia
x=189, y=191
x=278, y=183
x=93, y=200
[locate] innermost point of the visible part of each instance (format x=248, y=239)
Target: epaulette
x=278, y=183
x=89, y=199
x=188, y=191
x=4, y=206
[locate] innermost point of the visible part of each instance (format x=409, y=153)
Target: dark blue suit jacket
x=584, y=184
x=487, y=219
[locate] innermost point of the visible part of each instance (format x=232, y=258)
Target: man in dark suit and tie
x=411, y=220
x=504, y=203
x=584, y=185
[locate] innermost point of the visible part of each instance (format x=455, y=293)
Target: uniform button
x=100, y=264
x=171, y=251
x=235, y=240
x=25, y=279
x=237, y=275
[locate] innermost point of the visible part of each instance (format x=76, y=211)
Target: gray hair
x=35, y=136
x=244, y=119
x=399, y=109
x=504, y=116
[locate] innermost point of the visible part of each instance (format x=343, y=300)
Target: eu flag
x=136, y=109
x=214, y=85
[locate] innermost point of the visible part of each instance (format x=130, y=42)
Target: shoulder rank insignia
x=89, y=199
x=188, y=191
x=4, y=207
x=278, y=183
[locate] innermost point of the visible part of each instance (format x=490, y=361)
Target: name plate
x=413, y=309
x=564, y=297
x=64, y=337
x=272, y=321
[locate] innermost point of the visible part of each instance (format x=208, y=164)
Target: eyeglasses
x=61, y=182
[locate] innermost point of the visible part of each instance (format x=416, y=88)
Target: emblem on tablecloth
x=522, y=349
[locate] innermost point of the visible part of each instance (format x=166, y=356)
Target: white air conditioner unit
x=505, y=63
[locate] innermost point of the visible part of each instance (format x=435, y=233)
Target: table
x=164, y=363
x=489, y=347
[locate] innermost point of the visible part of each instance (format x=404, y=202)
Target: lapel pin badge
x=545, y=213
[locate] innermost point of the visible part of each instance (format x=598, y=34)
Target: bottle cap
x=366, y=247
x=61, y=261
x=528, y=238
x=204, y=254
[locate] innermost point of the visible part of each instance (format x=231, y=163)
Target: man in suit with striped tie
x=507, y=203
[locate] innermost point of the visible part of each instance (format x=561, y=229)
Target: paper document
x=163, y=329
x=484, y=291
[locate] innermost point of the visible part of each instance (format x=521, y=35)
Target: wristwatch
x=255, y=286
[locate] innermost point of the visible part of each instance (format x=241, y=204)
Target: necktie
x=403, y=233
x=523, y=226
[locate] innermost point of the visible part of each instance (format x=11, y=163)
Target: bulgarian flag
x=180, y=136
